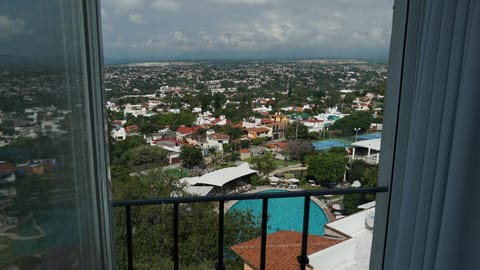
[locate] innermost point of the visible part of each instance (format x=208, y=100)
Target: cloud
x=243, y=2
x=179, y=36
x=136, y=18
x=165, y=5
x=378, y=36
x=10, y=26
x=275, y=27
x=107, y=27
x=124, y=5
x=252, y=26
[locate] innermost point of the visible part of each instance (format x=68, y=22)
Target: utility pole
x=356, y=133
x=296, y=129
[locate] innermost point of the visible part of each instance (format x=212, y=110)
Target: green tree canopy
x=368, y=178
x=191, y=156
x=326, y=168
x=347, y=124
x=297, y=131
x=117, y=149
x=153, y=226
x=264, y=163
x=144, y=156
x=357, y=171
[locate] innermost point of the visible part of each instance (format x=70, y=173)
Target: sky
x=202, y=29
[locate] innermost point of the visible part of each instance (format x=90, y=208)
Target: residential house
x=183, y=132
x=259, y=132
x=216, y=141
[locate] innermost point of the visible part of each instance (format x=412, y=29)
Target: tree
x=326, y=168
x=297, y=130
x=298, y=150
x=357, y=170
x=368, y=178
x=347, y=124
x=351, y=203
x=264, y=163
x=218, y=101
x=234, y=133
x=191, y=156
x=145, y=156
x=259, y=140
x=117, y=149
x=198, y=226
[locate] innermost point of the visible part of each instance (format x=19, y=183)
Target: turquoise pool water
x=286, y=213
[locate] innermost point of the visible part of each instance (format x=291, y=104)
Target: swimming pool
x=286, y=213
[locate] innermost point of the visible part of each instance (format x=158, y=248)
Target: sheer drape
x=434, y=215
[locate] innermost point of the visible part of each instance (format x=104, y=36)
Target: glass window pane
x=52, y=192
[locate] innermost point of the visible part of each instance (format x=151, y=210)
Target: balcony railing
x=302, y=258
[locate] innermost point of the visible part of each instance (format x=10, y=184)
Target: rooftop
x=282, y=249
x=221, y=177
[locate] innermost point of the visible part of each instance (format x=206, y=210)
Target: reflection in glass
x=51, y=192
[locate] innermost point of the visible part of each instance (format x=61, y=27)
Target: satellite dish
x=369, y=221
x=356, y=184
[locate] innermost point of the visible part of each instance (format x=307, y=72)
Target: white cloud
x=107, y=27
x=243, y=2
x=165, y=5
x=377, y=36
x=179, y=36
x=125, y=5
x=136, y=18
x=10, y=26
x=247, y=25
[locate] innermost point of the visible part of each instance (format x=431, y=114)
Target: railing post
x=303, y=258
x=263, y=246
x=175, y=237
x=221, y=206
x=129, y=237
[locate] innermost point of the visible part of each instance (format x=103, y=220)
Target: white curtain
x=434, y=211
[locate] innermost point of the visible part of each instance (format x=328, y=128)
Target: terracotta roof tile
x=283, y=247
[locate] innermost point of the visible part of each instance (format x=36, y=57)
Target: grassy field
x=177, y=172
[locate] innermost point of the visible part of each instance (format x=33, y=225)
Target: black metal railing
x=302, y=258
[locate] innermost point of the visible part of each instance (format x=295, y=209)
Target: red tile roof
x=281, y=145
x=132, y=128
x=219, y=136
x=238, y=125
x=6, y=167
x=258, y=129
x=283, y=247
x=266, y=121
x=187, y=130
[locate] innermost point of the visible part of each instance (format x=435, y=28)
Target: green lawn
x=177, y=172
x=281, y=163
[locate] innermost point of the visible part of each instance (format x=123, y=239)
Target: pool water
x=285, y=213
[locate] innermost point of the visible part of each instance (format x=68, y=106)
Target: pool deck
x=322, y=205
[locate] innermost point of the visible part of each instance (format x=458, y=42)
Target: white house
x=118, y=134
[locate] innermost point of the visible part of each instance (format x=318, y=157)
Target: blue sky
x=176, y=29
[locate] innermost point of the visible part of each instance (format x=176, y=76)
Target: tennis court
x=325, y=145
x=369, y=136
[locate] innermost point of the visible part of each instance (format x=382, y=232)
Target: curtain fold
x=436, y=196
